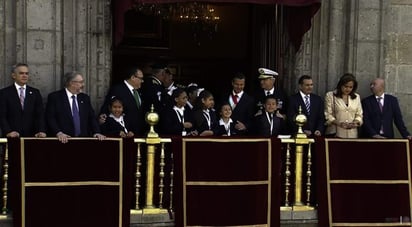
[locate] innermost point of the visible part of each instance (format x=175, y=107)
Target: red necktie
x=234, y=98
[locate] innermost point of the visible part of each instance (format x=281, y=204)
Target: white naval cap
x=266, y=73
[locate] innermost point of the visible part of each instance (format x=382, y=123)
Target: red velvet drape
x=299, y=14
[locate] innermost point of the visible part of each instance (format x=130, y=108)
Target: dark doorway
x=208, y=56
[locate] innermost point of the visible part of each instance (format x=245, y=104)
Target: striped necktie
x=307, y=104
x=21, y=97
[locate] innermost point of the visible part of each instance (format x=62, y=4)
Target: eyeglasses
x=78, y=81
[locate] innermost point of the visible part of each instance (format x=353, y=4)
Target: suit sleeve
x=5, y=127
x=39, y=112
x=92, y=119
x=398, y=119
x=367, y=124
x=51, y=113
x=321, y=121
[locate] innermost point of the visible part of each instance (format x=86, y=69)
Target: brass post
x=287, y=175
x=301, y=140
x=171, y=182
x=4, y=210
x=161, y=175
x=152, y=140
x=298, y=175
x=308, y=175
x=138, y=174
x=150, y=175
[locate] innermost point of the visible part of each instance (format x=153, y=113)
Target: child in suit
x=268, y=123
x=115, y=124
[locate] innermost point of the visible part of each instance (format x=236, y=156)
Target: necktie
x=21, y=96
x=267, y=93
x=307, y=104
x=380, y=103
x=76, y=116
x=234, y=98
x=136, y=97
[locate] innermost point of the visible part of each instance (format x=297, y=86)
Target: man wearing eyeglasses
x=21, y=107
x=128, y=91
x=69, y=112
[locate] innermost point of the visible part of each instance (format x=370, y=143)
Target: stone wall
x=369, y=38
x=54, y=37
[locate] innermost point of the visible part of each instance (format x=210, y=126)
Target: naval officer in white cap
x=267, y=79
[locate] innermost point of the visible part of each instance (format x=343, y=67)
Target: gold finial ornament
x=300, y=120
x=152, y=118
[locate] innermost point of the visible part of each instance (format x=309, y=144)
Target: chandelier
x=201, y=16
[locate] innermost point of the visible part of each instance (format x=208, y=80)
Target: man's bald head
x=377, y=86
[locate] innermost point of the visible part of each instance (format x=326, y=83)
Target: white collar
x=303, y=95
x=18, y=86
x=69, y=94
x=221, y=122
x=382, y=96
x=271, y=91
x=131, y=88
x=238, y=94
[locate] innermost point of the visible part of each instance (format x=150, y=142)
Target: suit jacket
x=336, y=109
x=152, y=90
x=281, y=100
x=28, y=121
x=112, y=128
x=59, y=115
x=170, y=123
x=200, y=122
x=373, y=118
x=316, y=118
x=134, y=115
x=221, y=130
x=262, y=125
x=244, y=111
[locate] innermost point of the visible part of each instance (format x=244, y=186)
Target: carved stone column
x=55, y=37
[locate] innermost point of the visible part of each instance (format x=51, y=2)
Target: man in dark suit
x=312, y=106
x=69, y=112
x=267, y=79
x=380, y=111
x=243, y=105
x=21, y=107
x=153, y=88
x=128, y=91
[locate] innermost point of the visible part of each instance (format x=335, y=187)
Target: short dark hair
x=15, y=66
x=130, y=71
x=177, y=92
x=304, y=77
x=270, y=97
x=239, y=76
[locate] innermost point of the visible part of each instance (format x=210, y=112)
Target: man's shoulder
x=369, y=98
x=119, y=87
x=8, y=88
x=32, y=89
x=56, y=93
